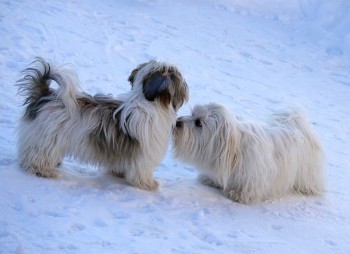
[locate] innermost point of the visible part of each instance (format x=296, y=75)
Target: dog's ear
x=181, y=94
x=159, y=86
x=226, y=147
x=134, y=72
x=227, y=134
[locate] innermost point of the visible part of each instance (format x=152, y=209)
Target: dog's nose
x=179, y=124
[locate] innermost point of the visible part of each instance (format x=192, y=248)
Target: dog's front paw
x=152, y=186
x=207, y=181
x=142, y=180
x=47, y=172
x=118, y=174
x=235, y=196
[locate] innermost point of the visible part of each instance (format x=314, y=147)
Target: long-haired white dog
x=250, y=161
x=127, y=136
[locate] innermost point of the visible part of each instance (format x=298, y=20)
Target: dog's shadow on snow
x=75, y=173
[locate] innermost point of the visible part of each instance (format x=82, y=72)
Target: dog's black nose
x=179, y=124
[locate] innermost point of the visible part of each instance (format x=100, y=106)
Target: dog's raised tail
x=35, y=87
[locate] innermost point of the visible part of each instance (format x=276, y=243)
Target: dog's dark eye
x=198, y=123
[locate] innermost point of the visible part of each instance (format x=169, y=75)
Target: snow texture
x=253, y=56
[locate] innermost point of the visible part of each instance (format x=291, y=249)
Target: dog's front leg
x=142, y=179
x=206, y=180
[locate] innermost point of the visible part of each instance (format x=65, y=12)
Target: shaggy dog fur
x=127, y=135
x=250, y=161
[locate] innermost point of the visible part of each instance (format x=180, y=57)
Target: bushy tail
x=35, y=87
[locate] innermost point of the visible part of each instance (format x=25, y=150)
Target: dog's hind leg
x=310, y=176
x=39, y=156
x=310, y=181
x=40, y=163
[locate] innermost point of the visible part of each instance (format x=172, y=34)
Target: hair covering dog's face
x=206, y=132
x=160, y=81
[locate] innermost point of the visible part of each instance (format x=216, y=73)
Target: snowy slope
x=253, y=56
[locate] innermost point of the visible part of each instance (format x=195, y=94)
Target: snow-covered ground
x=253, y=56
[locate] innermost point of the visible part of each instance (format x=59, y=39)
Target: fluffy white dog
x=250, y=161
x=127, y=136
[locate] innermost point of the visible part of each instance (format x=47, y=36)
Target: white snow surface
x=253, y=56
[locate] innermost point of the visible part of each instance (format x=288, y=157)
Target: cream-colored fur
x=251, y=161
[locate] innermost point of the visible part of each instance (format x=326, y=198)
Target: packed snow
x=253, y=56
